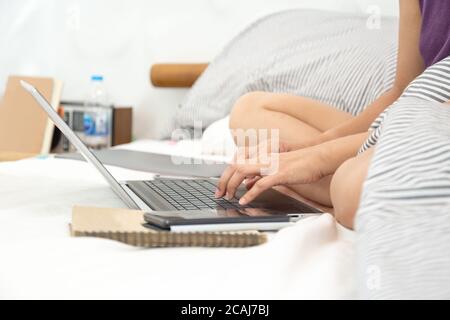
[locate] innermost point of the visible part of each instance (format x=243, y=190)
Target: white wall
x=71, y=39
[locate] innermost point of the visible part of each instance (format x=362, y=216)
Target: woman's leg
x=299, y=119
x=346, y=187
x=318, y=192
x=340, y=192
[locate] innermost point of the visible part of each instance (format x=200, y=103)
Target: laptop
x=188, y=204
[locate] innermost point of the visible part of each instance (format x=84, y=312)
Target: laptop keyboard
x=191, y=194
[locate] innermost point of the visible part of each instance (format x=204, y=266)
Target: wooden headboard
x=176, y=75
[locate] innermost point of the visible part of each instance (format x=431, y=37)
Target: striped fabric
x=403, y=223
x=331, y=57
x=432, y=85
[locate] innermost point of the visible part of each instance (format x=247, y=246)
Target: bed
x=313, y=259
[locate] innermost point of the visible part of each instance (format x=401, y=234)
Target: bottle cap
x=96, y=77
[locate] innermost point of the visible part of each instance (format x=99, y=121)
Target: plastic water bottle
x=97, y=115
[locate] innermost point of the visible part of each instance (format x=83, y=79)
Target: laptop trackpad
x=273, y=201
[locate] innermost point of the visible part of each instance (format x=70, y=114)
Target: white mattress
x=39, y=260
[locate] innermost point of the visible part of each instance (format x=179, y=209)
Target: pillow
x=403, y=223
x=432, y=85
x=331, y=57
x=217, y=139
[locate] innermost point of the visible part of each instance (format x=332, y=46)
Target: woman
x=319, y=144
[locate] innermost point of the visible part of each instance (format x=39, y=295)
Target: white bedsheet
x=38, y=258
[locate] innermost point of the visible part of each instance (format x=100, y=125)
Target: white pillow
x=217, y=139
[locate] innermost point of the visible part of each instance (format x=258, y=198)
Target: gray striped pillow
x=331, y=57
x=403, y=223
x=432, y=85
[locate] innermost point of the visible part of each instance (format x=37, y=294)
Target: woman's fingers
x=249, y=182
x=245, y=157
x=223, y=181
x=233, y=184
x=260, y=186
x=240, y=174
x=241, y=155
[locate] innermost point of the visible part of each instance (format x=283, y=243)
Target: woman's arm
x=409, y=65
x=305, y=165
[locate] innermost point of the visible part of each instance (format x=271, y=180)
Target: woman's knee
x=248, y=104
x=346, y=187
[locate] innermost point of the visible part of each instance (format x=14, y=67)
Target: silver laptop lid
x=81, y=147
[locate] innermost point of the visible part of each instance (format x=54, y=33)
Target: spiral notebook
x=127, y=226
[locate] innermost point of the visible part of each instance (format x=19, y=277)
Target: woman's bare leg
x=318, y=192
x=341, y=192
x=346, y=187
x=298, y=119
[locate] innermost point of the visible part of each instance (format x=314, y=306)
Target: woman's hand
x=296, y=167
x=264, y=148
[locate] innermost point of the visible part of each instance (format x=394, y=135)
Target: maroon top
x=435, y=34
